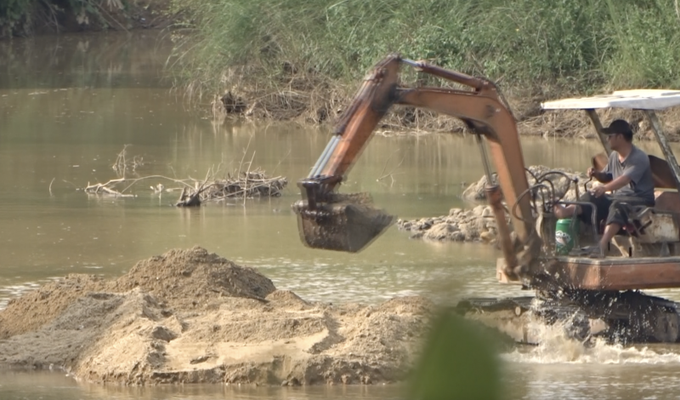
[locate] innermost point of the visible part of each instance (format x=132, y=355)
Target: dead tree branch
x=215, y=185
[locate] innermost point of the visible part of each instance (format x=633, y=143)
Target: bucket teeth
x=345, y=223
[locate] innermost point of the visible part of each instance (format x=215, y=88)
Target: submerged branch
x=215, y=186
x=244, y=185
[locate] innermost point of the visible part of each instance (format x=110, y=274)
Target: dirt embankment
x=189, y=316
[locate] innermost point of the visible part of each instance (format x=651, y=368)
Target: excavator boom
x=333, y=221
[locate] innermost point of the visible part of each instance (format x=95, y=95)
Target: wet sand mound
x=190, y=316
x=193, y=279
x=42, y=305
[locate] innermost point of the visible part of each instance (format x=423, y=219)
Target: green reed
x=579, y=45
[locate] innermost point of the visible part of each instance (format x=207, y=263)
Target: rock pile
x=478, y=223
x=460, y=225
x=561, y=179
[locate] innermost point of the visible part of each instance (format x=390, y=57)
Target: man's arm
x=601, y=176
x=617, y=183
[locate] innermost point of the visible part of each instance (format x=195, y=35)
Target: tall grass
x=581, y=44
x=646, y=43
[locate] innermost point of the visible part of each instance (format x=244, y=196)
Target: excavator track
x=621, y=317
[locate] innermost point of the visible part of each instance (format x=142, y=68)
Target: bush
x=21, y=17
x=15, y=16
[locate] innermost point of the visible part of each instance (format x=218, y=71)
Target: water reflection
x=53, y=385
x=77, y=61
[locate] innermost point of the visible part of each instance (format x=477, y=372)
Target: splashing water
x=556, y=347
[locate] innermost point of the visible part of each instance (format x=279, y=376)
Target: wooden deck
x=616, y=273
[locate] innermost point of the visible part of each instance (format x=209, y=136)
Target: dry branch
x=107, y=188
x=214, y=186
x=122, y=165
x=244, y=185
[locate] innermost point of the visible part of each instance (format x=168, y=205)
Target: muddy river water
x=68, y=106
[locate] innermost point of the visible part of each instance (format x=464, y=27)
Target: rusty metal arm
x=488, y=116
x=598, y=129
x=353, y=131
x=377, y=94
x=480, y=108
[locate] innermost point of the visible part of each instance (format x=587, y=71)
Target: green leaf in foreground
x=459, y=361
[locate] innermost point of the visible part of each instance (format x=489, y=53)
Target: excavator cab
x=652, y=231
x=646, y=254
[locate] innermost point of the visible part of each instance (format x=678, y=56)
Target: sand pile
x=191, y=316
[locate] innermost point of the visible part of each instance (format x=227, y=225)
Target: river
x=69, y=105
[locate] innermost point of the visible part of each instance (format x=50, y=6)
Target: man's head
x=619, y=133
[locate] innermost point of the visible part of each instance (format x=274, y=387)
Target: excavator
x=604, y=295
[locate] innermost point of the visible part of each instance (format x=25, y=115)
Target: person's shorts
x=611, y=209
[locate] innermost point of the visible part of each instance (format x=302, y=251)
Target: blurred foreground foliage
x=459, y=361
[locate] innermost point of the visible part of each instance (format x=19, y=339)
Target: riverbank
x=284, y=85
x=258, y=65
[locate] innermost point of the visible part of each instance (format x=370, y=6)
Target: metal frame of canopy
x=646, y=100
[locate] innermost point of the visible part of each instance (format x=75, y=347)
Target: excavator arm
x=348, y=222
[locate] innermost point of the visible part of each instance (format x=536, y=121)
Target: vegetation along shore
x=303, y=60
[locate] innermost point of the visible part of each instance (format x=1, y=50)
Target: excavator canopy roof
x=639, y=99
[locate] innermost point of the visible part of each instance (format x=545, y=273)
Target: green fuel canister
x=566, y=231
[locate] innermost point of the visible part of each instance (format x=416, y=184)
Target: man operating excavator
x=627, y=175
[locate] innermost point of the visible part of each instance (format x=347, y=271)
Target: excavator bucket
x=342, y=222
